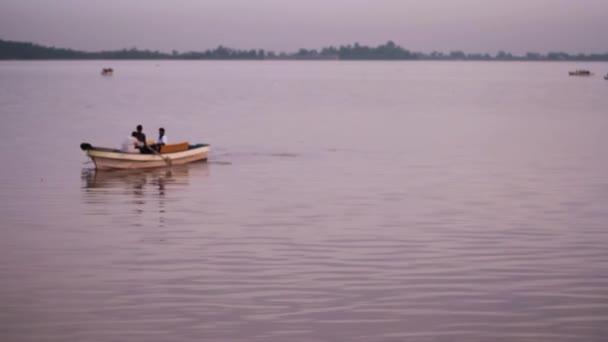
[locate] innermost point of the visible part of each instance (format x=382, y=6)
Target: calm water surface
x=415, y=201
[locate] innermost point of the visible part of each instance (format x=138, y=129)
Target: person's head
x=161, y=131
x=134, y=134
x=139, y=128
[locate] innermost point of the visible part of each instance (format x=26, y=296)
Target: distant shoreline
x=283, y=60
x=286, y=60
x=20, y=51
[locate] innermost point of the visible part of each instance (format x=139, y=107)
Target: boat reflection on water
x=138, y=179
x=140, y=197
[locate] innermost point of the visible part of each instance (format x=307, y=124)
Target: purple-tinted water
x=406, y=201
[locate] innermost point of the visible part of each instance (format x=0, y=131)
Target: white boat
x=175, y=154
x=580, y=72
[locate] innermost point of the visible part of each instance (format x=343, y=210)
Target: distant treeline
x=10, y=50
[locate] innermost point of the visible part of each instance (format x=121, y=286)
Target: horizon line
x=18, y=50
x=135, y=47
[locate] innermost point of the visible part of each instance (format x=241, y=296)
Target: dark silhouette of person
x=141, y=138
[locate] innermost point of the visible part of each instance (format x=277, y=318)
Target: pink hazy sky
x=517, y=26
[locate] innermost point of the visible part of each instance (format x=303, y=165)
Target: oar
x=166, y=159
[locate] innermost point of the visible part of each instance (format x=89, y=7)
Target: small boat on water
x=606, y=77
x=580, y=72
x=107, y=71
x=172, y=154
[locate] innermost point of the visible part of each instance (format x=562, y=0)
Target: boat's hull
x=112, y=160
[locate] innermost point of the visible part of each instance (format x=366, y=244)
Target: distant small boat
x=172, y=154
x=107, y=71
x=606, y=77
x=580, y=73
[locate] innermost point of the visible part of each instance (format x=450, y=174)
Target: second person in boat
x=161, y=141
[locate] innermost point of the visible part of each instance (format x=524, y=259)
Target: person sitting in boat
x=131, y=144
x=162, y=140
x=141, y=138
